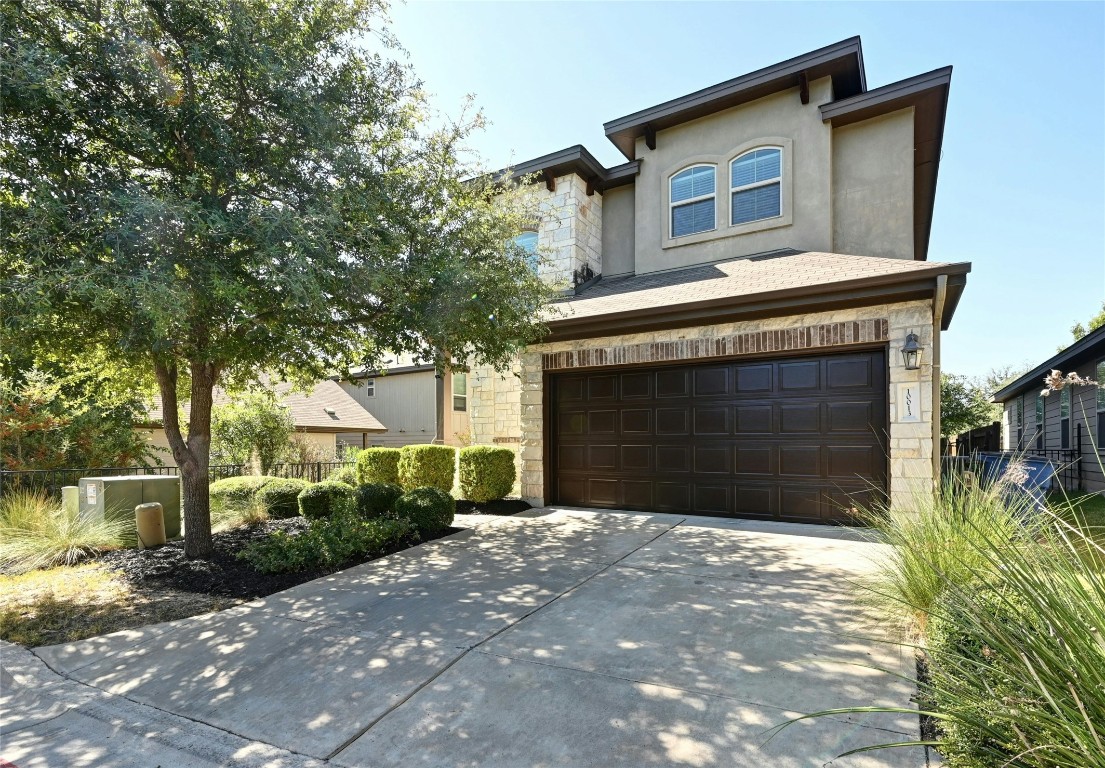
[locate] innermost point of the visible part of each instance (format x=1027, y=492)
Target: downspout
x=937, y=321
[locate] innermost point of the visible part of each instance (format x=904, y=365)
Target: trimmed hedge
x=429, y=510
x=375, y=500
x=323, y=499
x=280, y=497
x=237, y=490
x=378, y=465
x=427, y=466
x=486, y=473
x=347, y=475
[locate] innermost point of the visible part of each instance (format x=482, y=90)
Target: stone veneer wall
x=570, y=231
x=911, y=444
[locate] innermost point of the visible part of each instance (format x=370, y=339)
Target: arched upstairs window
x=693, y=193
x=527, y=241
x=756, y=185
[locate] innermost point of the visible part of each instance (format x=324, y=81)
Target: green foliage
x=279, y=498
x=378, y=465
x=373, y=500
x=432, y=466
x=347, y=475
x=37, y=532
x=254, y=425
x=1078, y=330
x=237, y=490
x=323, y=499
x=429, y=510
x=326, y=544
x=965, y=404
x=68, y=419
x=486, y=473
x=221, y=187
x=937, y=542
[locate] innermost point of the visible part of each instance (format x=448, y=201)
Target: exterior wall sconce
x=912, y=352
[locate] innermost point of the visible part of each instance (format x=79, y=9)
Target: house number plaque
x=909, y=402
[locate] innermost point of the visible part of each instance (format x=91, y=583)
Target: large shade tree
x=215, y=188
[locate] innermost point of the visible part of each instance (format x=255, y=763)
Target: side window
x=460, y=391
x=1101, y=406
x=369, y=387
x=1041, y=439
x=527, y=241
x=693, y=201
x=1018, y=421
x=756, y=186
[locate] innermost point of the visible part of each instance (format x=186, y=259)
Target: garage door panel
x=797, y=439
x=800, y=418
x=712, y=420
x=712, y=459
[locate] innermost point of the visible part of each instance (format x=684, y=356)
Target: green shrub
x=373, y=500
x=326, y=544
x=37, y=532
x=323, y=499
x=427, y=466
x=486, y=473
x=378, y=465
x=347, y=475
x=280, y=497
x=237, y=491
x=429, y=510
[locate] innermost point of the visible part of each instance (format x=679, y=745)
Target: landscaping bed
x=224, y=575
x=500, y=507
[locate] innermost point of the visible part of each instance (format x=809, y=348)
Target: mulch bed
x=223, y=575
x=501, y=507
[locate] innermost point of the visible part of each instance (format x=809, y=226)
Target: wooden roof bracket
x=804, y=87
x=592, y=185
x=550, y=180
x=650, y=136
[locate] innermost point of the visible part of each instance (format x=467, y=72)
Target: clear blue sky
x=1022, y=180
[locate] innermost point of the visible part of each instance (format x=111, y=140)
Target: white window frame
x=691, y=200
x=369, y=387
x=453, y=387
x=778, y=180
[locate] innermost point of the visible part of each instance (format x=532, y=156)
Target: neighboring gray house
x=1067, y=423
x=413, y=402
x=742, y=292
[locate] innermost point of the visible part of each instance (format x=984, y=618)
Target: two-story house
x=751, y=296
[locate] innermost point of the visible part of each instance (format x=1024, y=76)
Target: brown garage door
x=799, y=439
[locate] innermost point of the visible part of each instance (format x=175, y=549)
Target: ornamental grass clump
x=36, y=532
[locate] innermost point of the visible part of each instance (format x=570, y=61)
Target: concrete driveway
x=566, y=638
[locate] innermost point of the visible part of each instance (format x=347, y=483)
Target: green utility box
x=116, y=497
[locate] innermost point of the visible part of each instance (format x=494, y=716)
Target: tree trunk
x=192, y=456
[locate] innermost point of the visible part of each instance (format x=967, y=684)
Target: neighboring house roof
x=1090, y=348
x=326, y=408
x=394, y=363
x=777, y=283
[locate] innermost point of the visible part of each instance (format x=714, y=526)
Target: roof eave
x=866, y=291
x=575, y=159
x=1086, y=346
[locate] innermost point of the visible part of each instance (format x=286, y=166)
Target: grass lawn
x=1087, y=509
x=71, y=603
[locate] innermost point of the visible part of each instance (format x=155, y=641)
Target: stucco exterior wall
x=872, y=187
x=911, y=466
x=617, y=231
x=718, y=138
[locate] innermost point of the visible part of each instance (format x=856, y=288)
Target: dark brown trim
x=803, y=87
x=572, y=160
x=650, y=137
x=927, y=95
x=920, y=284
x=548, y=460
x=842, y=61
x=550, y=180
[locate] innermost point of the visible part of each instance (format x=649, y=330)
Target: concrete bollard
x=71, y=499
x=149, y=519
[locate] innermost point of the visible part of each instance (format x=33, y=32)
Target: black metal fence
x=53, y=480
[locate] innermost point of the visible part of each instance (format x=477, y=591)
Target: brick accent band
x=787, y=339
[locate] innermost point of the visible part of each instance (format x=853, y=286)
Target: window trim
x=690, y=201
x=1064, y=418
x=757, y=184
x=453, y=388
x=1041, y=423
x=369, y=386
x=1019, y=413
x=533, y=257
